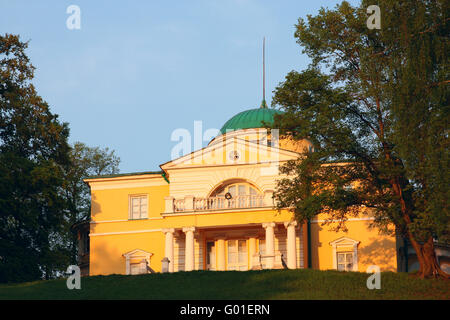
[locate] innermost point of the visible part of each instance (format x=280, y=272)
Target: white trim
x=178, y=214
x=125, y=220
x=130, y=176
x=123, y=232
x=125, y=182
x=236, y=142
x=162, y=229
x=105, y=221
x=209, y=166
x=337, y=220
x=345, y=242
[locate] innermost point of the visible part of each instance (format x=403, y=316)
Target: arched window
x=236, y=189
x=235, y=194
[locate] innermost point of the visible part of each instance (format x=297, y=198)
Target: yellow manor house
x=213, y=210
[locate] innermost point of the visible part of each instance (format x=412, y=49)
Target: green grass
x=266, y=284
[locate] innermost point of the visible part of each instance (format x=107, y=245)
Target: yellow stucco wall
x=107, y=251
x=373, y=249
x=113, y=234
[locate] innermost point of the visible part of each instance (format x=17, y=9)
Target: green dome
x=252, y=118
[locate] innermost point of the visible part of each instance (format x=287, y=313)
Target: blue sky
x=138, y=70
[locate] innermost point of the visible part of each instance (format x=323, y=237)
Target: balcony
x=195, y=204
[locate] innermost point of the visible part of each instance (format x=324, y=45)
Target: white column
x=334, y=257
x=189, y=250
x=251, y=250
x=169, y=247
x=221, y=254
x=128, y=271
x=355, y=256
x=270, y=247
x=291, y=249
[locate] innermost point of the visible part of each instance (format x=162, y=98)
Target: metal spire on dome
x=263, y=103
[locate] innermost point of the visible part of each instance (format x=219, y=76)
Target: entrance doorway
x=210, y=256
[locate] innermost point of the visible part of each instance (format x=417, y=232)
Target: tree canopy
x=33, y=156
x=42, y=193
x=375, y=105
x=85, y=161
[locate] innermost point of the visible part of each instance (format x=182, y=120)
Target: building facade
x=213, y=210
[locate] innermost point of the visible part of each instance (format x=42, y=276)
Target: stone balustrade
x=191, y=203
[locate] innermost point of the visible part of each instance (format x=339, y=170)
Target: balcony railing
x=190, y=203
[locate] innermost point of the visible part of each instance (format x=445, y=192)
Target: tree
x=85, y=161
x=375, y=105
x=33, y=157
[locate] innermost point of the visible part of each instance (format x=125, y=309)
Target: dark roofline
x=124, y=174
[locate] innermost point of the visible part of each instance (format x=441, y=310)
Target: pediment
x=137, y=253
x=231, y=152
x=344, y=242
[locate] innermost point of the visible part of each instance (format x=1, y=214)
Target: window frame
x=238, y=264
x=345, y=253
x=141, y=267
x=221, y=191
x=130, y=206
x=144, y=257
x=345, y=245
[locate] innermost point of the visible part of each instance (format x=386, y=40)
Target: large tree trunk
x=429, y=267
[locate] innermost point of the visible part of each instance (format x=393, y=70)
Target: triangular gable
x=229, y=152
x=137, y=253
x=344, y=241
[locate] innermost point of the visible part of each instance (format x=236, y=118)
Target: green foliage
x=419, y=92
x=376, y=100
x=85, y=161
x=33, y=156
x=41, y=189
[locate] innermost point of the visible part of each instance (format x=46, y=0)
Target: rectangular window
x=138, y=207
x=237, y=255
x=232, y=252
x=345, y=261
x=262, y=246
x=242, y=252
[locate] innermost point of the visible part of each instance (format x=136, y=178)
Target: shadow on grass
x=238, y=285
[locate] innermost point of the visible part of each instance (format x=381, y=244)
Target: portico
x=267, y=245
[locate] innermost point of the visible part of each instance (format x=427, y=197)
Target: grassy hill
x=266, y=284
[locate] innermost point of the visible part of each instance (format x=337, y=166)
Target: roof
x=252, y=118
x=124, y=174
